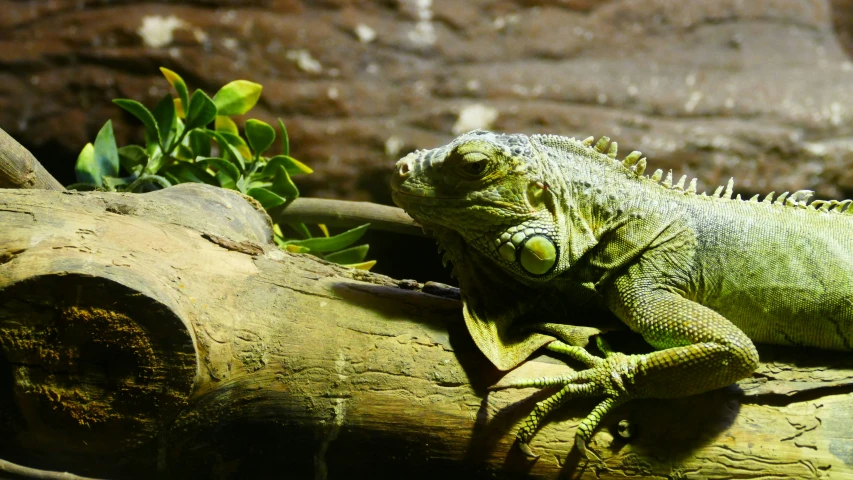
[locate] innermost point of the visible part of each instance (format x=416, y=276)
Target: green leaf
x=190, y=173
x=173, y=180
x=226, y=173
x=183, y=152
x=241, y=184
x=179, y=108
x=199, y=143
x=285, y=141
x=178, y=84
x=132, y=158
x=86, y=170
x=179, y=127
x=152, y=143
x=267, y=198
x=295, y=167
x=361, y=266
x=257, y=184
x=227, y=148
x=331, y=244
x=238, y=143
x=106, y=152
x=144, y=115
x=237, y=97
x=225, y=181
x=225, y=125
x=201, y=110
x=301, y=229
x=348, y=255
x=151, y=147
x=260, y=135
x=164, y=115
x=295, y=248
x=292, y=165
x=283, y=185
x=220, y=165
x=156, y=160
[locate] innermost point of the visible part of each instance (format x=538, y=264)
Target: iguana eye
x=475, y=168
x=475, y=165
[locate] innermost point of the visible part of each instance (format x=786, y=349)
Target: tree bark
x=164, y=335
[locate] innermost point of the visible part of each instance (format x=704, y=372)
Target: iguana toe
x=587, y=454
x=540, y=382
x=525, y=448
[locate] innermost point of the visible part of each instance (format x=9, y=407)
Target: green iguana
x=535, y=222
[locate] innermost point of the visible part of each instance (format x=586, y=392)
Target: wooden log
x=164, y=335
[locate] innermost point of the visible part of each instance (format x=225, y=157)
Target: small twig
x=20, y=169
x=34, y=473
x=342, y=213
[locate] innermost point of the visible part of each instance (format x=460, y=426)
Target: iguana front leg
x=700, y=350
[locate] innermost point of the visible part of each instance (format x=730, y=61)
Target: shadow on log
x=164, y=335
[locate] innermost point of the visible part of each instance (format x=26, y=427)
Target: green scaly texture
x=540, y=227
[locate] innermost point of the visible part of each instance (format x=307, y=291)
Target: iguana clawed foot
x=605, y=377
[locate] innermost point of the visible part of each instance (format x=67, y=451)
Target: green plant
x=179, y=149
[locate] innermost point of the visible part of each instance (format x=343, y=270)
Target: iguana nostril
x=403, y=169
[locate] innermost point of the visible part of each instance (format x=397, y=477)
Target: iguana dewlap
x=530, y=221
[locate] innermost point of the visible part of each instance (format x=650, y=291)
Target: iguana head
x=500, y=206
x=493, y=190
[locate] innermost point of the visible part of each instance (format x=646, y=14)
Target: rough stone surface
x=757, y=90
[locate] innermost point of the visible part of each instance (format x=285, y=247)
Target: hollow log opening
x=90, y=367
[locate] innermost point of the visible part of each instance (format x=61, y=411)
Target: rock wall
x=757, y=90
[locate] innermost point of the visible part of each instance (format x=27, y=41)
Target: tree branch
x=342, y=213
x=20, y=169
x=36, y=474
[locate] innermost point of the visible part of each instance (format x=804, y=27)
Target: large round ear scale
x=538, y=255
x=507, y=252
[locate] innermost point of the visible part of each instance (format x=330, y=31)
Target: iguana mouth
x=410, y=199
x=414, y=198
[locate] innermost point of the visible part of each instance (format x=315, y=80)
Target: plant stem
x=148, y=178
x=178, y=141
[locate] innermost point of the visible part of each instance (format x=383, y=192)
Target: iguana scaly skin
x=536, y=224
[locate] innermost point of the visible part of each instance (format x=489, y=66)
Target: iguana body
x=533, y=222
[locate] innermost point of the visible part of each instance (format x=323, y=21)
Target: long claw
x=525, y=448
x=586, y=453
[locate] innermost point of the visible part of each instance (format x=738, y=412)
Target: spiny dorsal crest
x=636, y=163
